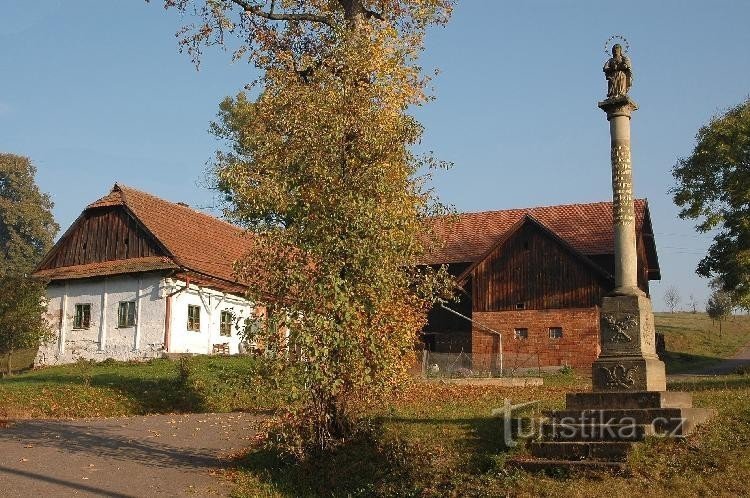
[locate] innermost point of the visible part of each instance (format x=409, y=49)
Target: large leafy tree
x=320, y=168
x=713, y=187
x=27, y=229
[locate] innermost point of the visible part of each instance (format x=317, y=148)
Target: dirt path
x=159, y=455
x=741, y=359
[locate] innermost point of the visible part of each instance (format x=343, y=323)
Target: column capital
x=622, y=105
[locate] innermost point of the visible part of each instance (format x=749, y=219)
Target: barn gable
x=530, y=267
x=103, y=234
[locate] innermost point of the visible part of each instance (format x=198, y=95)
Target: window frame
x=518, y=336
x=225, y=326
x=127, y=323
x=194, y=322
x=82, y=322
x=555, y=337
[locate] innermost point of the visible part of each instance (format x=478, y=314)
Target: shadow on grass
x=398, y=456
x=677, y=363
x=171, y=392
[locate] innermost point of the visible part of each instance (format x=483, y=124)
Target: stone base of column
x=628, y=360
x=628, y=374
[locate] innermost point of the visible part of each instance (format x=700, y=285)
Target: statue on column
x=619, y=73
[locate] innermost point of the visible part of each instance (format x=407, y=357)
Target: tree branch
x=271, y=15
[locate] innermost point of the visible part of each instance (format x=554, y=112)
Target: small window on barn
x=521, y=333
x=555, y=332
x=126, y=314
x=520, y=306
x=82, y=317
x=194, y=318
x=225, y=325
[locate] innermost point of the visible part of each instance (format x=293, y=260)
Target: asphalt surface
x=158, y=455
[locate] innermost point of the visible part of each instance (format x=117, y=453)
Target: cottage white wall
x=211, y=304
x=108, y=341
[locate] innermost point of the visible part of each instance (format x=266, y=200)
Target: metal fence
x=464, y=365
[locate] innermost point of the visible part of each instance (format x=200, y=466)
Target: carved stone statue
x=619, y=73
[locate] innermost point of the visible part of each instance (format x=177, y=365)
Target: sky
x=96, y=92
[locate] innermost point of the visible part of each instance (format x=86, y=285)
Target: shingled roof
x=190, y=240
x=586, y=227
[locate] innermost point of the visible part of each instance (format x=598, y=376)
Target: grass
x=693, y=341
x=109, y=388
x=440, y=441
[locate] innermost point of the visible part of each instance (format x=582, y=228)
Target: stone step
x=675, y=422
x=609, y=451
x=626, y=400
x=552, y=431
x=578, y=466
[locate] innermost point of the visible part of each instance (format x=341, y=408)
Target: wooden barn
x=533, y=279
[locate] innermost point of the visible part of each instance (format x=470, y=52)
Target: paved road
x=159, y=455
x=741, y=359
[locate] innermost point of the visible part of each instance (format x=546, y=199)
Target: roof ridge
x=532, y=208
x=124, y=188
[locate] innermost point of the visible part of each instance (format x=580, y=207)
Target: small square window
x=126, y=314
x=194, y=318
x=520, y=306
x=82, y=317
x=555, y=332
x=521, y=333
x=225, y=325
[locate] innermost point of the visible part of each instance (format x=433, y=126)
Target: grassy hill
x=693, y=340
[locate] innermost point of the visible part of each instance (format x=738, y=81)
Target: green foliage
x=27, y=227
x=713, y=186
x=320, y=168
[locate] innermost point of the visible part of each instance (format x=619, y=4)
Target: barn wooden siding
x=535, y=269
x=102, y=234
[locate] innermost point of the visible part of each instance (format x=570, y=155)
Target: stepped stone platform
x=597, y=430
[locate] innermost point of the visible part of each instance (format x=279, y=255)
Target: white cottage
x=136, y=276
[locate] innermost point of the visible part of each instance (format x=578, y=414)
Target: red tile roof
x=586, y=227
x=116, y=267
x=194, y=240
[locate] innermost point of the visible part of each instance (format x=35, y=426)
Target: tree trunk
x=9, y=369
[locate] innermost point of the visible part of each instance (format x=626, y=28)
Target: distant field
x=693, y=341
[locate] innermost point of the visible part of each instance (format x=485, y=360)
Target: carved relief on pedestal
x=619, y=376
x=619, y=328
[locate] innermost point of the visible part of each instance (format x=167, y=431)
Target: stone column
x=626, y=256
x=628, y=360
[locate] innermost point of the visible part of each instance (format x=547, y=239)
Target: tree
x=27, y=226
x=27, y=229
x=693, y=304
x=713, y=187
x=320, y=169
x=719, y=306
x=672, y=298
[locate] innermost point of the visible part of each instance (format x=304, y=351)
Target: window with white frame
x=225, y=324
x=194, y=318
x=555, y=332
x=126, y=314
x=82, y=316
x=521, y=333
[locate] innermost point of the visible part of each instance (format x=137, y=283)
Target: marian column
x=628, y=360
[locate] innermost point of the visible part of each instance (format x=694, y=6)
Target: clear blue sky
x=96, y=92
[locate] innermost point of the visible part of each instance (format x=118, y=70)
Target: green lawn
x=693, y=341
x=200, y=384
